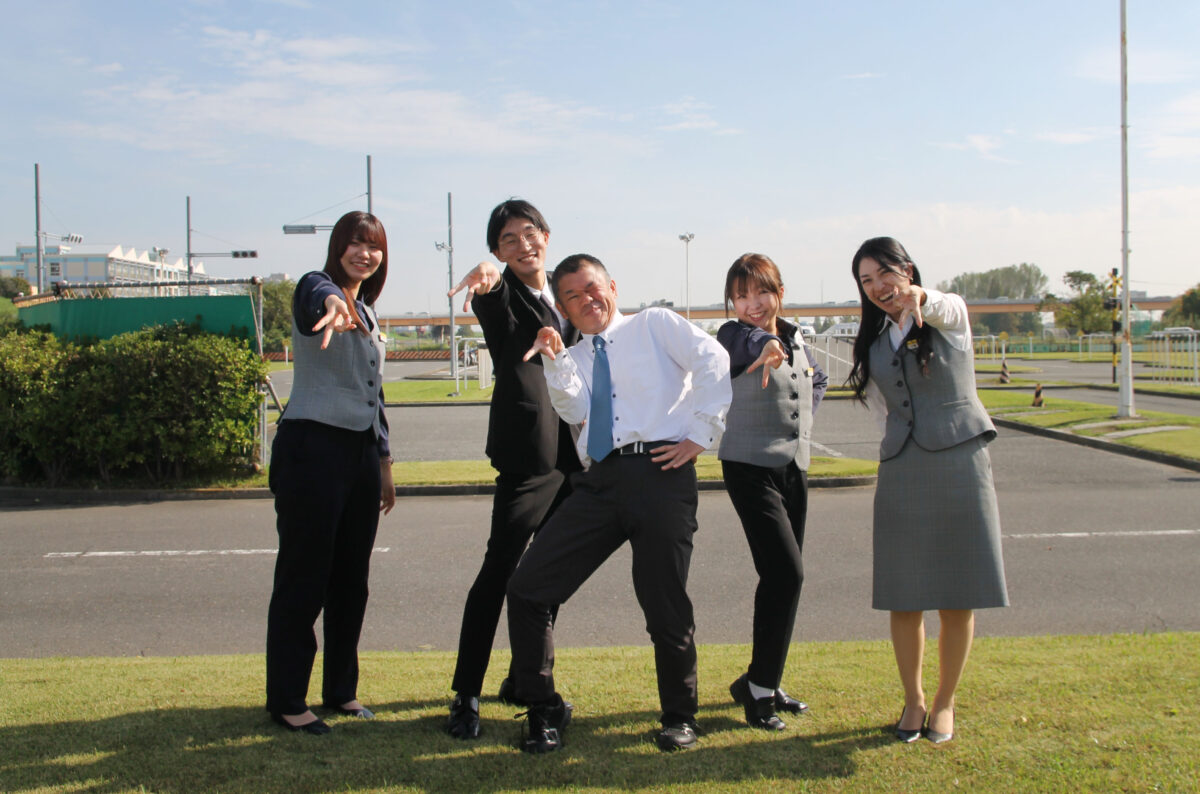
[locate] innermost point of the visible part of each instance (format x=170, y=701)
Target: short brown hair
x=752, y=270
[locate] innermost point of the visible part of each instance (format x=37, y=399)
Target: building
x=96, y=264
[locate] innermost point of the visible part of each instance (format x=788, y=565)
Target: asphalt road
x=1094, y=543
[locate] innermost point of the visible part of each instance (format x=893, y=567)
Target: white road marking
x=1115, y=534
x=175, y=552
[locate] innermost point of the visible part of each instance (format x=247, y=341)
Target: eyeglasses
x=530, y=238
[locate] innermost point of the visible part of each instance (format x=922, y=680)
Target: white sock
x=758, y=693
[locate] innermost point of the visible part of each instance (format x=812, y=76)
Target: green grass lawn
x=1040, y=714
x=1070, y=414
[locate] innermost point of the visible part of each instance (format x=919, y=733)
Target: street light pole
x=687, y=238
x=1125, y=408
x=448, y=247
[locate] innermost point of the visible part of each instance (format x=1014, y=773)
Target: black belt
x=641, y=447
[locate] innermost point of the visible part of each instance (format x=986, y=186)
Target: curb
x=15, y=496
x=1095, y=443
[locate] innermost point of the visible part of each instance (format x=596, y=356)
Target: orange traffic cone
x=1037, y=396
x=1004, y=378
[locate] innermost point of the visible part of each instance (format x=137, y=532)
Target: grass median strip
x=1048, y=714
x=1098, y=421
x=468, y=472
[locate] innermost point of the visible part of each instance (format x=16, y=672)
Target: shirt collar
x=617, y=320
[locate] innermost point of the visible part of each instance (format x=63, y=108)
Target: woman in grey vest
x=331, y=473
x=777, y=386
x=937, y=528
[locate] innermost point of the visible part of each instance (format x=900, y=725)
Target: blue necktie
x=600, y=419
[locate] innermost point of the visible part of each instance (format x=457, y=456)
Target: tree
x=12, y=286
x=277, y=314
x=1084, y=310
x=1021, y=282
x=1185, y=310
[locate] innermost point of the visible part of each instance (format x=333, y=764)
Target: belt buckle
x=636, y=448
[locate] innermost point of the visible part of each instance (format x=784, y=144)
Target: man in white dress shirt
x=665, y=403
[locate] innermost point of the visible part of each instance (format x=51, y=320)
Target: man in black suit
x=532, y=450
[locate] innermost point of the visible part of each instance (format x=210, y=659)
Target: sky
x=978, y=134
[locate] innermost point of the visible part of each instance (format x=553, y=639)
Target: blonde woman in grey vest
x=331, y=473
x=777, y=386
x=937, y=528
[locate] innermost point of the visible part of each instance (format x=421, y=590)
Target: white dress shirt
x=670, y=381
x=946, y=312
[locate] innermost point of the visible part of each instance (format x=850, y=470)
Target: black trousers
x=521, y=505
x=772, y=504
x=622, y=498
x=326, y=483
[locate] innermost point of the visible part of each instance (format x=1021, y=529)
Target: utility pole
x=37, y=217
x=1125, y=409
x=448, y=247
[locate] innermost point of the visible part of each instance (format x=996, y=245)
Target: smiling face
x=588, y=297
x=522, y=246
x=360, y=261
x=881, y=285
x=756, y=305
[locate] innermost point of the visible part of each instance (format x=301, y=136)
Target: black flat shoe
x=760, y=712
x=545, y=726
x=785, y=702
x=677, y=736
x=463, y=722
x=363, y=713
x=316, y=727
x=904, y=734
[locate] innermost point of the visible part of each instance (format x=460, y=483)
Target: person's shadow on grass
x=240, y=749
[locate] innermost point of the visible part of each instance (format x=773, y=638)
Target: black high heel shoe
x=908, y=736
x=317, y=727
x=939, y=738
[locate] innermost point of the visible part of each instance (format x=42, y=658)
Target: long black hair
x=890, y=256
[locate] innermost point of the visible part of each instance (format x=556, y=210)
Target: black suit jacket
x=525, y=435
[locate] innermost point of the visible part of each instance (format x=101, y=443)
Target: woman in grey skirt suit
x=936, y=529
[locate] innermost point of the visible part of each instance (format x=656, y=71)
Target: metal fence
x=1174, y=356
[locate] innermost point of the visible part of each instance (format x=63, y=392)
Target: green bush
x=33, y=424
x=163, y=404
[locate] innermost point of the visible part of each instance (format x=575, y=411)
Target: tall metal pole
x=369, y=210
x=1125, y=389
x=687, y=238
x=450, y=258
x=189, y=244
x=37, y=217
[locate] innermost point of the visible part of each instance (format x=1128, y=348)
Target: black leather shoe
x=785, y=702
x=508, y=694
x=316, y=727
x=362, y=712
x=760, y=713
x=545, y=726
x=677, y=736
x=463, y=722
x=908, y=736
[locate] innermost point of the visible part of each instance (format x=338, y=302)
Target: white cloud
x=983, y=145
x=692, y=114
x=339, y=92
x=108, y=68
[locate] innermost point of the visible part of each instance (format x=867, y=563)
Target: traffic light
x=245, y=254
x=1110, y=304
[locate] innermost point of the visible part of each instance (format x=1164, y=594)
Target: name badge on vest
x=912, y=344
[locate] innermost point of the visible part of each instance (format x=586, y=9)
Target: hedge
x=161, y=404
